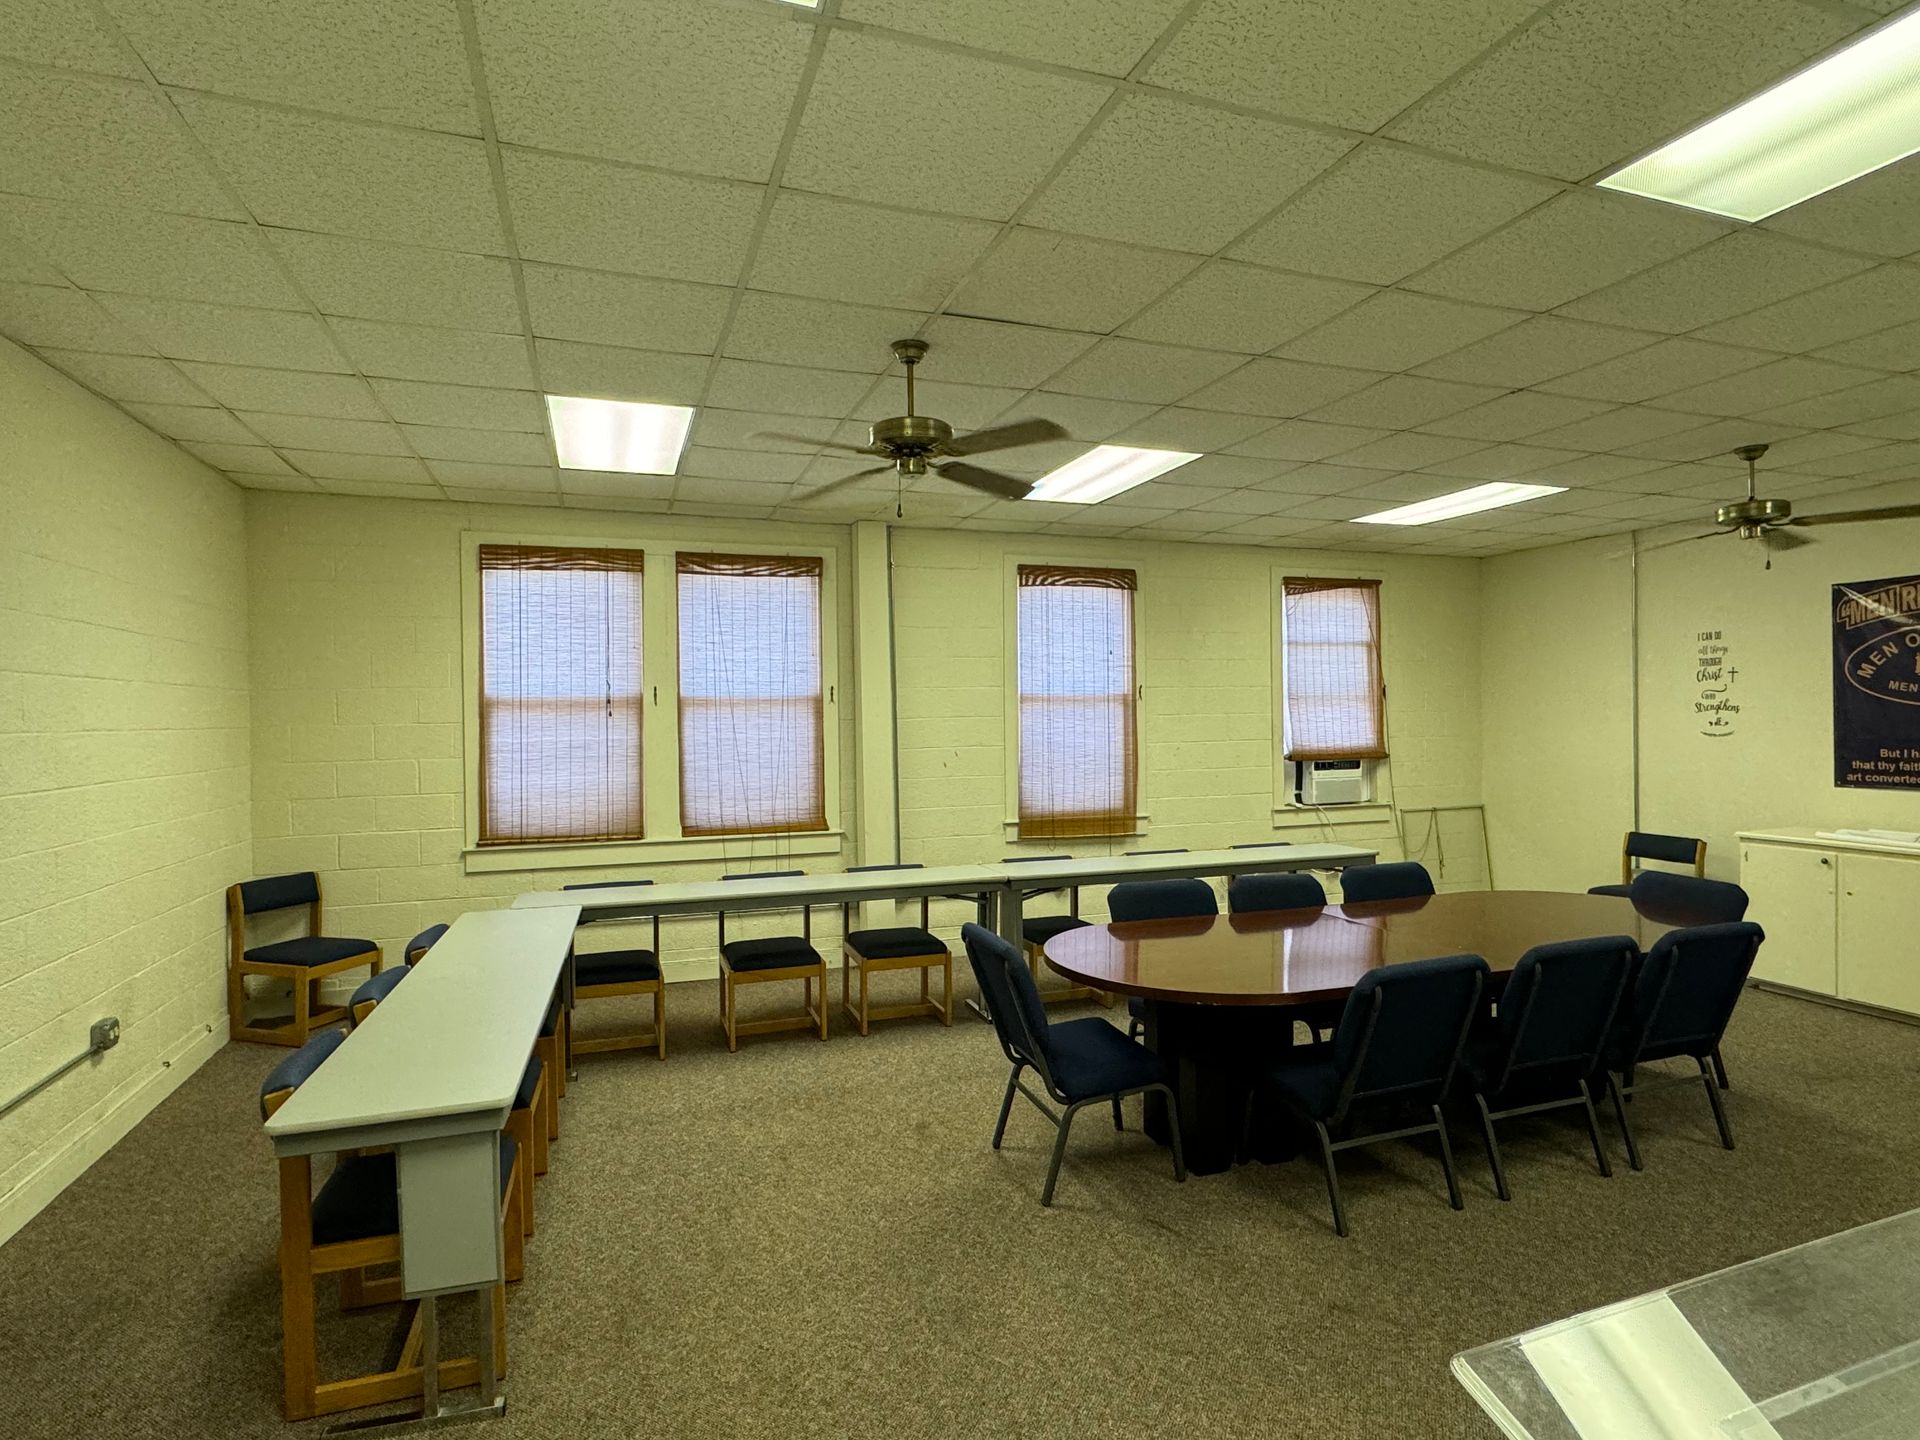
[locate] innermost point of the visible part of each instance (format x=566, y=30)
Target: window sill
x=495, y=859
x=1306, y=817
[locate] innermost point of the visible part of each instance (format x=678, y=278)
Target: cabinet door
x=1792, y=889
x=1880, y=931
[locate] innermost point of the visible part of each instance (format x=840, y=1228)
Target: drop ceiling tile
x=1280, y=388
x=471, y=407
x=1346, y=65
x=453, y=357
x=841, y=250
x=820, y=334
x=980, y=140
x=1225, y=306
x=1897, y=348
x=1307, y=440
x=253, y=459
x=1030, y=462
x=1502, y=462
x=1332, y=507
x=1396, y=330
x=60, y=33
x=1240, y=504
x=1593, y=82
x=1791, y=454
x=1607, y=472
x=991, y=352
x=610, y=217
x=1087, y=419
x=74, y=137
x=1846, y=464
x=1905, y=425
x=965, y=407
x=285, y=392
x=1518, y=414
x=1399, y=489
x=1616, y=429
x=127, y=379
x=1858, y=305
x=308, y=432
x=370, y=469
x=1041, y=277
x=298, y=484
x=193, y=422
x=1409, y=450
x=20, y=266
x=1401, y=402
x=1094, y=35
x=1384, y=212
x=758, y=466
x=404, y=64
x=750, y=430
x=1566, y=248
x=484, y=476
x=1118, y=369
x=1161, y=172
x=66, y=319
x=617, y=483
x=227, y=335
x=370, y=280
x=101, y=247
x=1656, y=370
x=1539, y=348
x=1729, y=277
x=1766, y=387
x=625, y=310
x=505, y=492
x=1321, y=479
x=1183, y=522
x=570, y=368
x=1225, y=472
x=377, y=489
x=1892, y=462
x=1878, y=213
x=482, y=446
x=790, y=390
x=703, y=489
x=704, y=88
x=1200, y=431
x=1712, y=441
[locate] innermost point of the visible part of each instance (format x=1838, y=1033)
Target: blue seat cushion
x=775, y=953
x=529, y=1082
x=1090, y=1058
x=1621, y=890
x=894, y=943
x=1310, y=1084
x=311, y=950
x=615, y=967
x=361, y=1198
x=1038, y=929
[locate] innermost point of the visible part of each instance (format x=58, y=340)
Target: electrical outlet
x=105, y=1034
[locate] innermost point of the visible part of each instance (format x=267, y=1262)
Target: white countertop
x=1816, y=840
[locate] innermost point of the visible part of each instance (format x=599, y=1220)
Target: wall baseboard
x=40, y=1189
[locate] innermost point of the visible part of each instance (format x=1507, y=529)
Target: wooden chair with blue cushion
x=303, y=961
x=1081, y=1062
x=1282, y=890
x=610, y=974
x=423, y=942
x=1668, y=849
x=1678, y=1009
x=1556, y=1015
x=900, y=947
x=1157, y=900
x=778, y=957
x=1037, y=930
x=1397, y=1048
x=1397, y=880
x=351, y=1225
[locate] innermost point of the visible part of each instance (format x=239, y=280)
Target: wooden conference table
x=1227, y=986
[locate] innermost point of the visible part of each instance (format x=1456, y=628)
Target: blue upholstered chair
x=371, y=992
x=1556, y=1015
x=303, y=961
x=897, y=947
x=351, y=1225
x=777, y=957
x=1157, y=900
x=1080, y=1062
x=1643, y=845
x=1397, y=880
x=1695, y=901
x=423, y=942
x=1398, y=1046
x=610, y=974
x=1678, y=1008
x=1282, y=890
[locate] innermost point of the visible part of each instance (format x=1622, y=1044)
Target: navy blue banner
x=1876, y=684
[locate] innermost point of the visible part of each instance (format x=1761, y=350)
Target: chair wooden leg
x=236, y=1002
x=520, y=1125
x=727, y=1001
x=863, y=999
x=823, y=995
x=946, y=1004
x=300, y=1366
x=660, y=1018
x=302, y=1009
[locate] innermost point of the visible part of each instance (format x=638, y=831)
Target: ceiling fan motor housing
x=909, y=436
x=1753, y=513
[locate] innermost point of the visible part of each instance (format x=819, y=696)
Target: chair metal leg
x=1493, y=1148
x=1065, y=1125
x=1118, y=1122
x=1593, y=1132
x=1720, y=1070
x=1006, y=1107
x=1626, y=1130
x=1719, y=1109
x=1446, y=1160
x=1333, y=1179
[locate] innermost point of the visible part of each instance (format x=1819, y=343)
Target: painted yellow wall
x=123, y=766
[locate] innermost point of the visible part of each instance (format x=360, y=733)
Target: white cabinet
x=1842, y=918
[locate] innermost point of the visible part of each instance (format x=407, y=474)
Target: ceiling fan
x=1772, y=522
x=914, y=444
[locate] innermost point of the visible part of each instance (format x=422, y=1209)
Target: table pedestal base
x=1209, y=1049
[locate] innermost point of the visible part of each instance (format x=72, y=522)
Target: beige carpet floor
x=815, y=1240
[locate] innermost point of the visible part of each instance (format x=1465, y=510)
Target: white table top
x=444, y=1053
x=1110, y=869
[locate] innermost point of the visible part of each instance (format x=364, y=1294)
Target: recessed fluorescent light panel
x=803, y=4
x=1849, y=114
x=1105, y=471
x=618, y=434
x=1461, y=502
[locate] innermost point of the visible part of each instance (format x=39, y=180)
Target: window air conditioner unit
x=1332, y=782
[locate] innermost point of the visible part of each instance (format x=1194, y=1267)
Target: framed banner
x=1876, y=684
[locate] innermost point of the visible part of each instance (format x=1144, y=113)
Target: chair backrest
x=1559, y=1007
x=1259, y=844
x=293, y=1072
x=1404, y=1028
x=1283, y=890
x=926, y=901
x=1051, y=889
x=1170, y=850
x=1013, y=1000
x=1672, y=849
x=806, y=911
x=1667, y=896
x=423, y=942
x=764, y=875
x=1161, y=900
x=371, y=992
x=611, y=915
x=1398, y=880
x=1687, y=988
x=279, y=892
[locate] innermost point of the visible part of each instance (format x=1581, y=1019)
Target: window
x=751, y=759
x=560, y=695
x=1330, y=656
x=1078, y=767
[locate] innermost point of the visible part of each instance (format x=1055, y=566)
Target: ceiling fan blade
x=843, y=481
x=1851, y=517
x=1005, y=437
x=816, y=443
x=1683, y=540
x=972, y=476
x=1776, y=538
